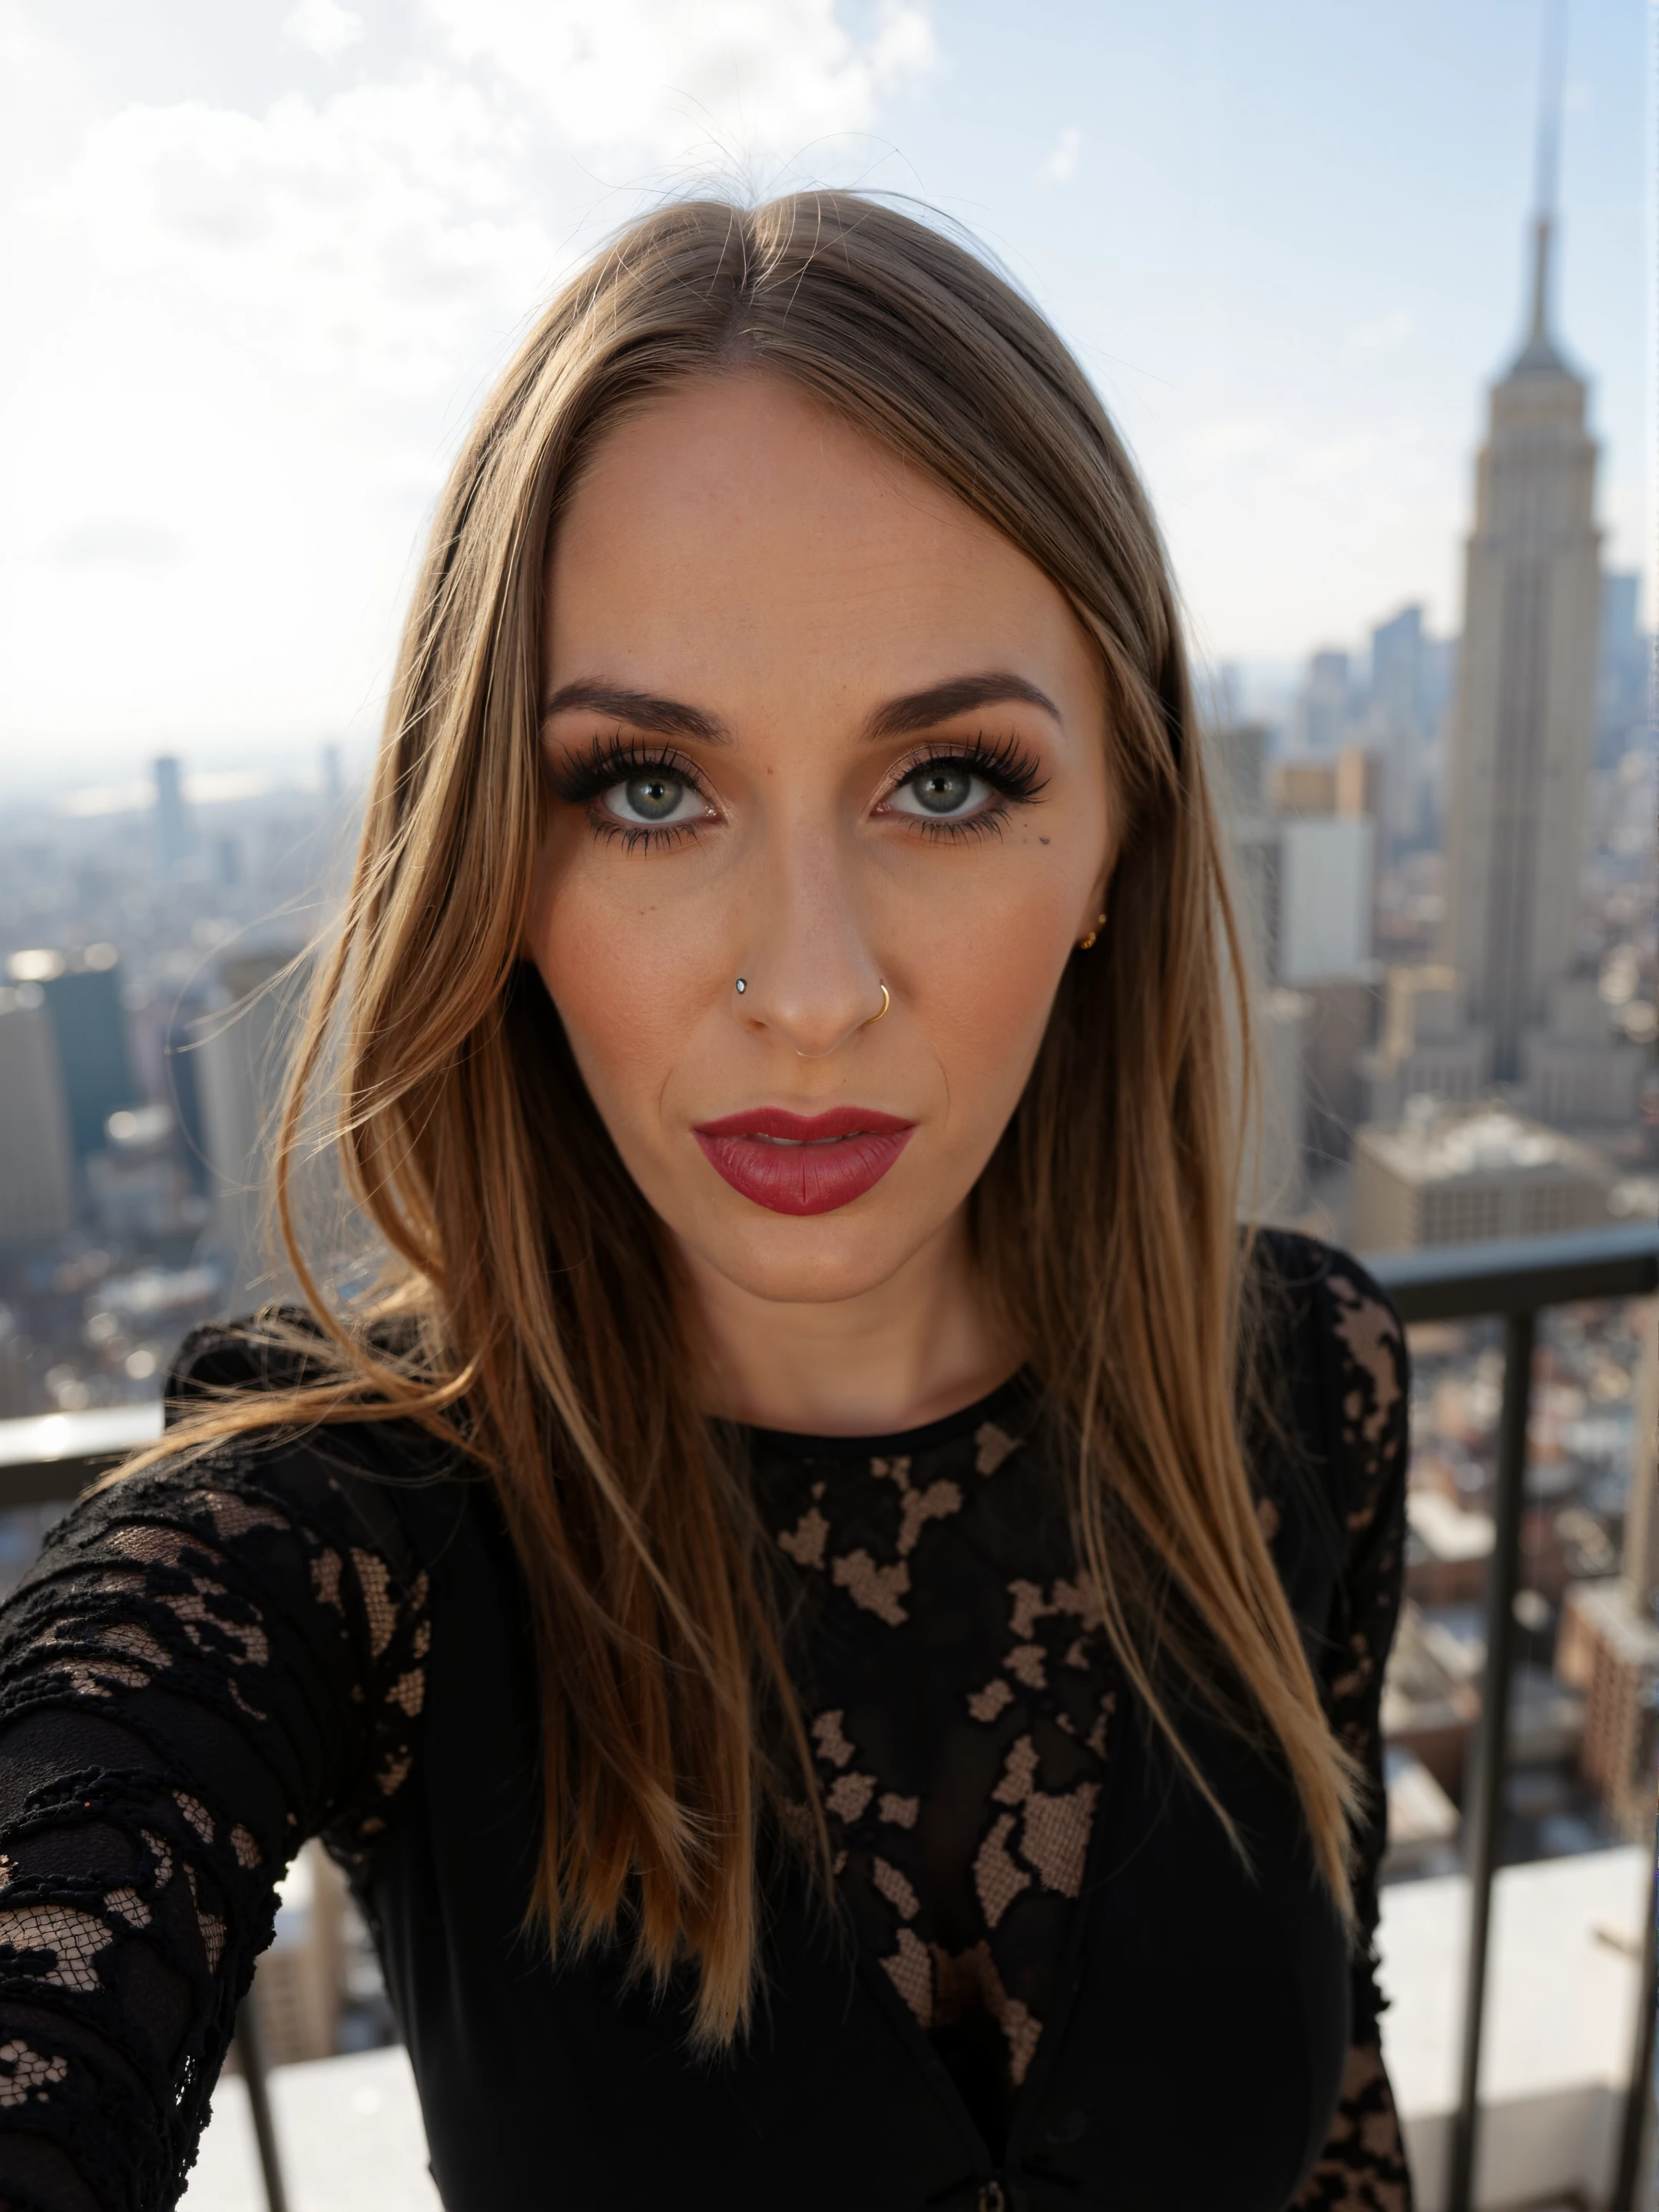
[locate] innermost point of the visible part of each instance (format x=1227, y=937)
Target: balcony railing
x=55, y=1457
x=1517, y=1279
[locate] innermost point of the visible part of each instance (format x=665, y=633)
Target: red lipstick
x=804, y=1163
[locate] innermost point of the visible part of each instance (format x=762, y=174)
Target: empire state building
x=1522, y=736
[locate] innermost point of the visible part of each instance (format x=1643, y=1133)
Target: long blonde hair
x=533, y=1277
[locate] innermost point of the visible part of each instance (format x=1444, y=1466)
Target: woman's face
x=809, y=723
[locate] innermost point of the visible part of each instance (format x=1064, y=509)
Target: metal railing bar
x=1519, y=1274
x=52, y=1457
x=1483, y=1819
x=1517, y=1277
x=1636, y=2135
x=250, y=2050
x=52, y=1481
x=97, y=1432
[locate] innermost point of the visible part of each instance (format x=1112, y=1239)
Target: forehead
x=738, y=519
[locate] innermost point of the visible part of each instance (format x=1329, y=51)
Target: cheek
x=632, y=983
x=985, y=989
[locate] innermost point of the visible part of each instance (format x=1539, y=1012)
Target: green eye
x=654, y=798
x=942, y=788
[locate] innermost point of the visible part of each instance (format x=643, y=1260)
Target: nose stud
x=742, y=985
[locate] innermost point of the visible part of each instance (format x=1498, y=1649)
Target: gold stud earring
x=1086, y=943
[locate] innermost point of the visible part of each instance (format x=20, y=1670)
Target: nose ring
x=886, y=998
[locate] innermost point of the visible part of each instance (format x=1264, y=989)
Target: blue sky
x=260, y=261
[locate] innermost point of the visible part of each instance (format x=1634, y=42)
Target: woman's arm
x=1363, y=2165
x=206, y=1666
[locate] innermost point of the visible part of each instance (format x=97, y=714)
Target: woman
x=833, y=1607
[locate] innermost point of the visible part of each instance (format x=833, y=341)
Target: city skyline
x=1322, y=250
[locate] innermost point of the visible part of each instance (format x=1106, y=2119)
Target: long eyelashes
x=582, y=778
x=1005, y=764
x=1011, y=770
x=579, y=778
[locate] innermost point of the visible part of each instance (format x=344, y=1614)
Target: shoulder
x=383, y=1478
x=1332, y=1379
x=280, y=1356
x=281, y=1349
x=1313, y=1297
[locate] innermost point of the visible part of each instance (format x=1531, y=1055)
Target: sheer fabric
x=212, y=1662
x=961, y=1698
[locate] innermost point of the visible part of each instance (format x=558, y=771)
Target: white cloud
x=759, y=78
x=324, y=27
x=249, y=342
x=1063, y=163
x=244, y=344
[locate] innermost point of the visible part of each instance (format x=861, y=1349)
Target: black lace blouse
x=206, y=1667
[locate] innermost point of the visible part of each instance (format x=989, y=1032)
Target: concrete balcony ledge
x=350, y=2135
x=1561, y=2024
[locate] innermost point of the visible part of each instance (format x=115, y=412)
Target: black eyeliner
x=579, y=779
x=1003, y=762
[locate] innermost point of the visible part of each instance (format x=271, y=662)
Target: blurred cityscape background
x=1442, y=834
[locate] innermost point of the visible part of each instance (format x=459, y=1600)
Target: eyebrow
x=645, y=710
x=898, y=718
x=920, y=710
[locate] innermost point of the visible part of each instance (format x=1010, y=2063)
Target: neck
x=913, y=1349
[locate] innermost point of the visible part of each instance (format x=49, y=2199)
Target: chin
x=814, y=1261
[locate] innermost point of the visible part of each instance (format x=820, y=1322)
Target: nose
x=812, y=979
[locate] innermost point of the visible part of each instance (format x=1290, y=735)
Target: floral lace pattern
x=211, y=1662
x=206, y=1666
x=1363, y=2165
x=1372, y=1383
x=960, y=1812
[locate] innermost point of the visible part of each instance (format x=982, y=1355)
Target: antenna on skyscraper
x=1547, y=177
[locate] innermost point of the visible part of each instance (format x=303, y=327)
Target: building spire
x=1540, y=352
x=1549, y=165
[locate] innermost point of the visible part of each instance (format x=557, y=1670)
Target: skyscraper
x=240, y=1055
x=174, y=840
x=1326, y=703
x=83, y=997
x=1397, y=726
x=1524, y=719
x=36, y=1168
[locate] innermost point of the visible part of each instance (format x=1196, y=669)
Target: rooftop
x=1431, y=1145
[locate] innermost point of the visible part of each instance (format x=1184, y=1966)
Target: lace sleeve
x=1363, y=2165
x=209, y=1663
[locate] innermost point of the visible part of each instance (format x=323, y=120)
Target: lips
x=801, y=1162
